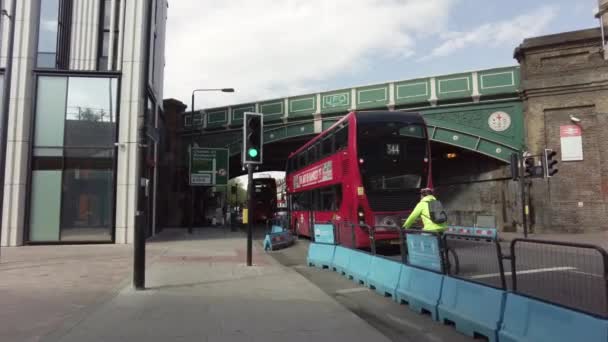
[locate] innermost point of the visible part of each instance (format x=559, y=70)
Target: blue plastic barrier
x=324, y=233
x=423, y=251
x=474, y=309
x=529, y=320
x=419, y=289
x=358, y=267
x=320, y=255
x=341, y=260
x=383, y=276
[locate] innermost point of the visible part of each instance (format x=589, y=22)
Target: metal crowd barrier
x=479, y=260
x=572, y=275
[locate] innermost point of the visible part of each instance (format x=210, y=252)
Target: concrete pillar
x=602, y=12
x=18, y=134
x=132, y=105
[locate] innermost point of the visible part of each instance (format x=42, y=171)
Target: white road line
x=589, y=274
x=536, y=270
x=352, y=290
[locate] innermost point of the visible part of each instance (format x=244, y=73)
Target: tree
x=89, y=115
x=240, y=198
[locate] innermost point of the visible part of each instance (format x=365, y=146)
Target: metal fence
x=569, y=274
x=478, y=260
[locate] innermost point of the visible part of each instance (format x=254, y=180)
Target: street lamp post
x=6, y=91
x=223, y=90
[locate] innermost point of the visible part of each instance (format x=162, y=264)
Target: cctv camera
x=574, y=119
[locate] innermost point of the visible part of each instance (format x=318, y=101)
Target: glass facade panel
x=50, y=113
x=74, y=140
x=45, y=205
x=91, y=112
x=86, y=212
x=1, y=76
x=107, y=14
x=47, y=34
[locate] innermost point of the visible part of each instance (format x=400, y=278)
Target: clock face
x=499, y=121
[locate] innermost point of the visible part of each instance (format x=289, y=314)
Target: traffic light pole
x=524, y=205
x=249, y=213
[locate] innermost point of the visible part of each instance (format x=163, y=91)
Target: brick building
x=565, y=82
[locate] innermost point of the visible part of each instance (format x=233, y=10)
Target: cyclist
x=423, y=210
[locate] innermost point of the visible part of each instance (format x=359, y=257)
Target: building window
x=198, y=119
x=108, y=35
x=54, y=34
x=153, y=36
x=72, y=195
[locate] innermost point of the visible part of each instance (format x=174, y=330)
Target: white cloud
x=508, y=32
x=269, y=48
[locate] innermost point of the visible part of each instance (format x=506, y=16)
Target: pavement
x=43, y=287
x=198, y=289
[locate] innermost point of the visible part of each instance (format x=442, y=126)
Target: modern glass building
x=84, y=111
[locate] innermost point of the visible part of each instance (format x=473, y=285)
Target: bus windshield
x=264, y=189
x=391, y=155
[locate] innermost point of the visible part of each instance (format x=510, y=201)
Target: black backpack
x=438, y=214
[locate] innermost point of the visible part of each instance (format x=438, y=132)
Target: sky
x=274, y=48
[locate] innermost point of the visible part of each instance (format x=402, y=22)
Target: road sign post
x=207, y=167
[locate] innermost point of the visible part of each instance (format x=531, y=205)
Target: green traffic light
x=252, y=152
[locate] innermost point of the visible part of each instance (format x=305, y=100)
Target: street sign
x=208, y=166
x=571, y=138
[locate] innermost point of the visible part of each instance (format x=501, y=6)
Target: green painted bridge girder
x=479, y=111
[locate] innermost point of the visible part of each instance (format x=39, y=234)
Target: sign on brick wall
x=571, y=138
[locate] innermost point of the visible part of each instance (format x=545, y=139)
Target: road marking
x=536, y=270
x=595, y=275
x=352, y=290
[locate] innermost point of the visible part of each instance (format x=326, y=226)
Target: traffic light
x=549, y=162
x=514, y=166
x=253, y=138
x=529, y=167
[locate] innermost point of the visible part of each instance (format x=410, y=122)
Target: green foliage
x=241, y=192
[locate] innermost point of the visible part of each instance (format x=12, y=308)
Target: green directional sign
x=208, y=166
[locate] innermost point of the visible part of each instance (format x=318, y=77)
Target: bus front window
x=392, y=156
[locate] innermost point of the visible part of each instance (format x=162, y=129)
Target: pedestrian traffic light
x=550, y=162
x=529, y=167
x=252, y=138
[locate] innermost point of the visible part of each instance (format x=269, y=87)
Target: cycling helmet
x=426, y=191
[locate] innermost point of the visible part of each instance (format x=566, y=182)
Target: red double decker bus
x=367, y=168
x=264, y=199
